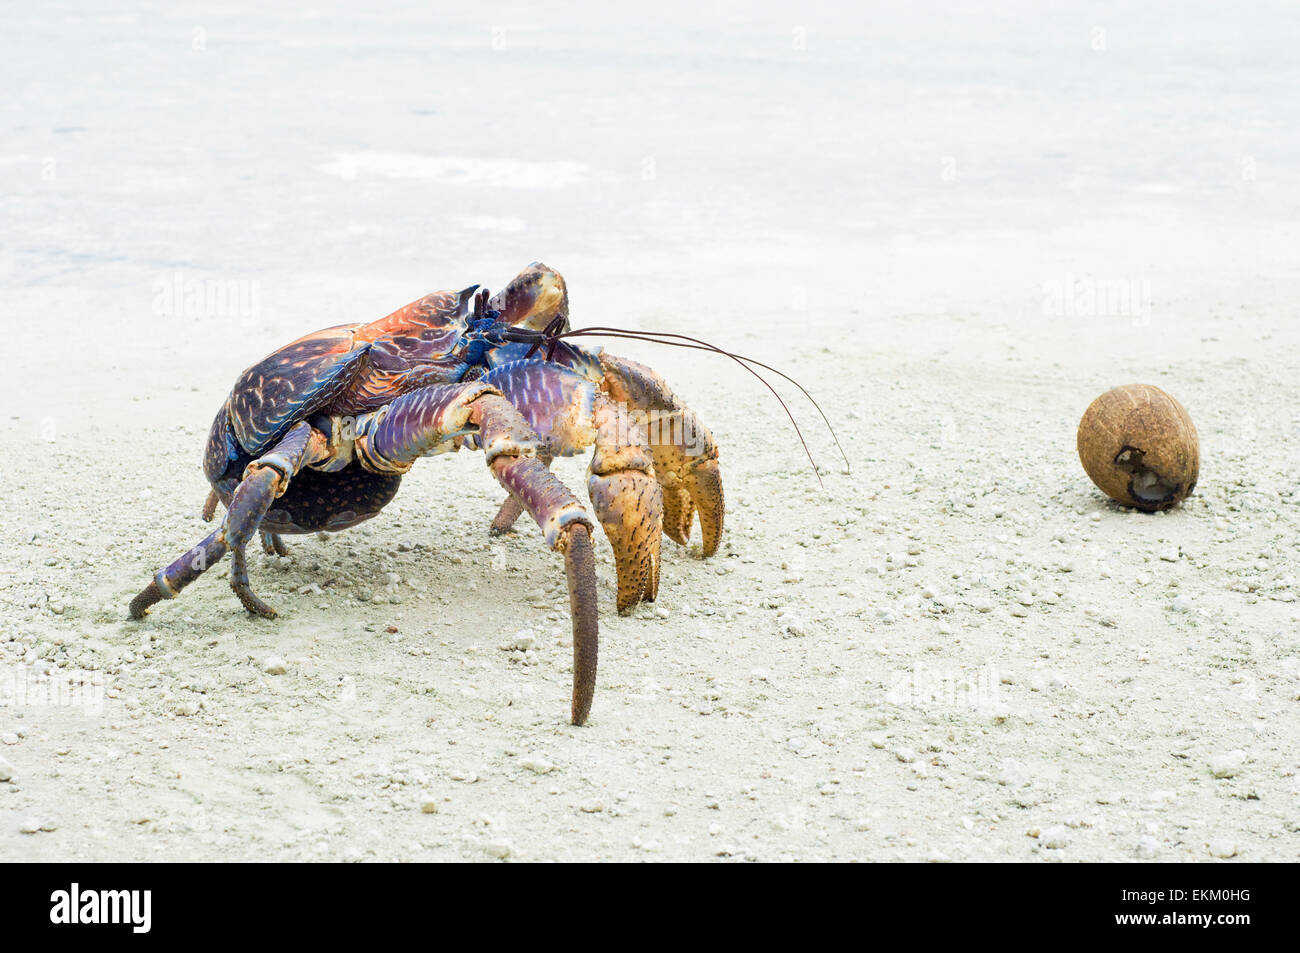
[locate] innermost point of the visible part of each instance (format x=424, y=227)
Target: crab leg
x=273, y=545
x=511, y=508
x=181, y=573
x=570, y=414
x=265, y=479
x=436, y=418
x=504, y=521
x=685, y=454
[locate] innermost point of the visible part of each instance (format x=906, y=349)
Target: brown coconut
x=1140, y=447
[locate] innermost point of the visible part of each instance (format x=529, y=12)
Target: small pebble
x=275, y=665
x=1013, y=775
x=1222, y=849
x=1227, y=764
x=1147, y=847
x=1054, y=838
x=6, y=770
x=525, y=640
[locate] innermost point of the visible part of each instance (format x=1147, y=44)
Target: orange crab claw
x=629, y=506
x=685, y=453
x=690, y=484
x=627, y=500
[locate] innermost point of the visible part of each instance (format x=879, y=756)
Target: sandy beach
x=954, y=228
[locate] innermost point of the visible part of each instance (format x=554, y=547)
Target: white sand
x=955, y=229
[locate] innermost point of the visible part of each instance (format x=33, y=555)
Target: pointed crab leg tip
x=580, y=567
x=506, y=516
x=140, y=604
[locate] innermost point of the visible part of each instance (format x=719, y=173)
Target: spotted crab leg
x=510, y=511
x=168, y=583
x=571, y=414
x=438, y=418
x=265, y=479
x=273, y=545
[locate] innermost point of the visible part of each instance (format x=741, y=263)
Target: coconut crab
x=316, y=437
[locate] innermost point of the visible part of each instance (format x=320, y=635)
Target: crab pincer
x=684, y=451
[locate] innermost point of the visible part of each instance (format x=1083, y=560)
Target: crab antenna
x=549, y=336
x=706, y=346
x=699, y=345
x=553, y=329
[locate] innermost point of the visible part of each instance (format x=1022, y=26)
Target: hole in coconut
x=1146, y=486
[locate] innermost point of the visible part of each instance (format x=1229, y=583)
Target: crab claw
x=629, y=506
x=691, y=484
x=628, y=501
x=685, y=453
